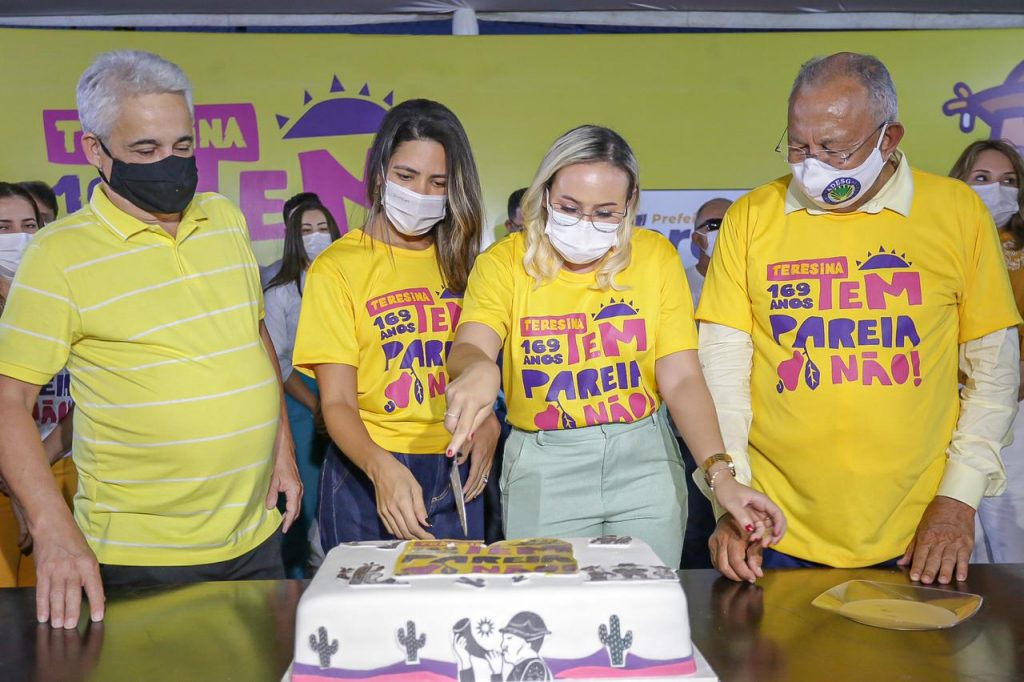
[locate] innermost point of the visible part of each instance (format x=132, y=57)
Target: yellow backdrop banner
x=282, y=113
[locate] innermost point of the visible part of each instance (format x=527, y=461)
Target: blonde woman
x=596, y=325
x=378, y=314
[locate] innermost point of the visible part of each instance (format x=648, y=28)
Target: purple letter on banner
x=224, y=132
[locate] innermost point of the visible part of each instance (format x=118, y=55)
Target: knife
x=460, y=498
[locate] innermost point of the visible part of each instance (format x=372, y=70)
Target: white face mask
x=579, y=242
x=1001, y=201
x=712, y=237
x=831, y=188
x=410, y=212
x=315, y=243
x=11, y=247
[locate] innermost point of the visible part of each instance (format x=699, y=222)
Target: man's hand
x=64, y=566
x=943, y=542
x=481, y=452
x=285, y=479
x=733, y=553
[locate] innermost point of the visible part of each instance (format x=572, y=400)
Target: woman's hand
x=399, y=499
x=753, y=511
x=470, y=401
x=481, y=454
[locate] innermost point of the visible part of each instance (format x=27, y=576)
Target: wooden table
x=244, y=631
x=770, y=631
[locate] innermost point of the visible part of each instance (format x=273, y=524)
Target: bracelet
x=711, y=480
x=715, y=459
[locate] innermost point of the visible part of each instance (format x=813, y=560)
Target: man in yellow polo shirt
x=839, y=303
x=150, y=295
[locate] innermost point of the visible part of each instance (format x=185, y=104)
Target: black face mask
x=164, y=186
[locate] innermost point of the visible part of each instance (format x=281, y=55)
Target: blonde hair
x=585, y=144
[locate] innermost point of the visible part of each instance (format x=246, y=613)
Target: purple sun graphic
x=337, y=116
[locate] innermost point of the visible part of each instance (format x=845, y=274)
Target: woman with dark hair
x=19, y=220
x=309, y=229
x=995, y=169
x=379, y=312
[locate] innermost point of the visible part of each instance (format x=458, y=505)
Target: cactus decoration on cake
x=322, y=648
x=614, y=642
x=407, y=638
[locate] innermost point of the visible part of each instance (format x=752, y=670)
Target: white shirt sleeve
x=726, y=355
x=988, y=405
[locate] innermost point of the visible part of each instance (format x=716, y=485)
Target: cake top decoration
x=444, y=557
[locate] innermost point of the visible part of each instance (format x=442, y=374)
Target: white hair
x=869, y=70
x=118, y=74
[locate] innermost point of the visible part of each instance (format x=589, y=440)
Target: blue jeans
x=348, y=504
x=776, y=559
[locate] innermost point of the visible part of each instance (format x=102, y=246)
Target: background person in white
x=706, y=222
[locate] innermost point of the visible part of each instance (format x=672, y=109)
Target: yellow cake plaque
x=511, y=557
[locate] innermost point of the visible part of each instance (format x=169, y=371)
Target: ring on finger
x=453, y=415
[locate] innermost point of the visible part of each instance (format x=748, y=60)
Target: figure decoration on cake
x=408, y=641
x=322, y=648
x=626, y=572
x=614, y=642
x=611, y=541
x=372, y=574
x=519, y=657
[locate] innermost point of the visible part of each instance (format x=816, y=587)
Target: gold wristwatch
x=712, y=461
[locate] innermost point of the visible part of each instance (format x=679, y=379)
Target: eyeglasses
x=833, y=157
x=598, y=218
x=709, y=225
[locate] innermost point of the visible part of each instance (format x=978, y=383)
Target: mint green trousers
x=618, y=479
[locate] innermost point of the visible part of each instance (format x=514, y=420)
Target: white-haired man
x=836, y=306
x=150, y=294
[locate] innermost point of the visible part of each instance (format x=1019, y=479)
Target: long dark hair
x=457, y=236
x=962, y=169
x=294, y=260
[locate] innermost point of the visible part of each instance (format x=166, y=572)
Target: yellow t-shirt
x=856, y=321
x=386, y=312
x=574, y=355
x=176, y=401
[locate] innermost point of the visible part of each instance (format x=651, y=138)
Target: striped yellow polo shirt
x=176, y=400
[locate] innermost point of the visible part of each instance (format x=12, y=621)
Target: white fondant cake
x=537, y=609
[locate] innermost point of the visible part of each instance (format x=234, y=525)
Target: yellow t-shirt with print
x=575, y=355
x=856, y=321
x=386, y=312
